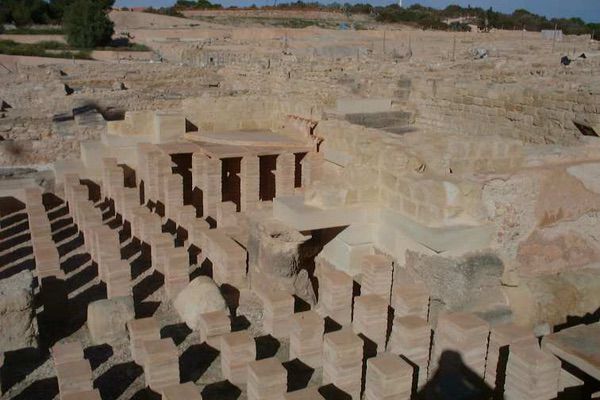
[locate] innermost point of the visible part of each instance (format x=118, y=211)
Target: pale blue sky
x=589, y=10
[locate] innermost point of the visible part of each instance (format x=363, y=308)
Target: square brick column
x=176, y=271
x=411, y=338
x=388, y=377
x=370, y=318
x=237, y=350
x=335, y=295
x=161, y=364
x=197, y=230
x=250, y=183
x=531, y=373
x=465, y=334
x=160, y=244
x=182, y=391
x=226, y=214
x=502, y=337
x=118, y=279
x=284, y=175
x=74, y=376
x=213, y=325
x=211, y=178
x=306, y=338
x=173, y=195
x=410, y=299
x=311, y=168
x=267, y=380
x=376, y=276
x=342, y=361
x=140, y=331
x=66, y=352
x=278, y=310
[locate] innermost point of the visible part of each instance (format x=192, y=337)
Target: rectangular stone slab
x=579, y=346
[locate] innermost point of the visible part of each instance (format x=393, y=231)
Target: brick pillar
x=284, y=175
x=311, y=166
x=342, y=361
x=212, y=186
x=250, y=186
x=370, y=318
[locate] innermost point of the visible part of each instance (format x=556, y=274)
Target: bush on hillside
x=87, y=24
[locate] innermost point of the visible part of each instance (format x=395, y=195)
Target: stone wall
x=425, y=177
x=534, y=114
x=245, y=113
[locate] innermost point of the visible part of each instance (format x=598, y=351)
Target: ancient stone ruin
x=372, y=244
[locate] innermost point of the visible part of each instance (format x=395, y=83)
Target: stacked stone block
x=176, y=271
x=150, y=224
x=335, y=295
x=46, y=255
x=250, y=177
x=306, y=338
x=376, y=276
x=228, y=258
x=284, y=174
x=140, y=331
x=411, y=338
x=185, y=215
x=502, y=337
x=211, y=189
x=370, y=318
x=118, y=279
x=107, y=248
x=182, y=391
x=213, y=325
x=342, y=361
x=311, y=167
x=73, y=372
x=465, y=334
x=278, y=306
x=531, y=373
x=410, y=299
x=388, y=377
x=173, y=195
x=161, y=245
x=267, y=380
x=197, y=230
x=237, y=350
x=226, y=214
x=112, y=177
x=161, y=364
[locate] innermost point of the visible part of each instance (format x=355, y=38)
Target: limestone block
x=168, y=127
x=226, y=214
x=200, y=296
x=107, y=319
x=182, y=391
x=17, y=313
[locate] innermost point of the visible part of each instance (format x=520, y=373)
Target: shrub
x=87, y=24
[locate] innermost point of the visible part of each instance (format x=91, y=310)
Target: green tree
x=87, y=24
x=21, y=14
